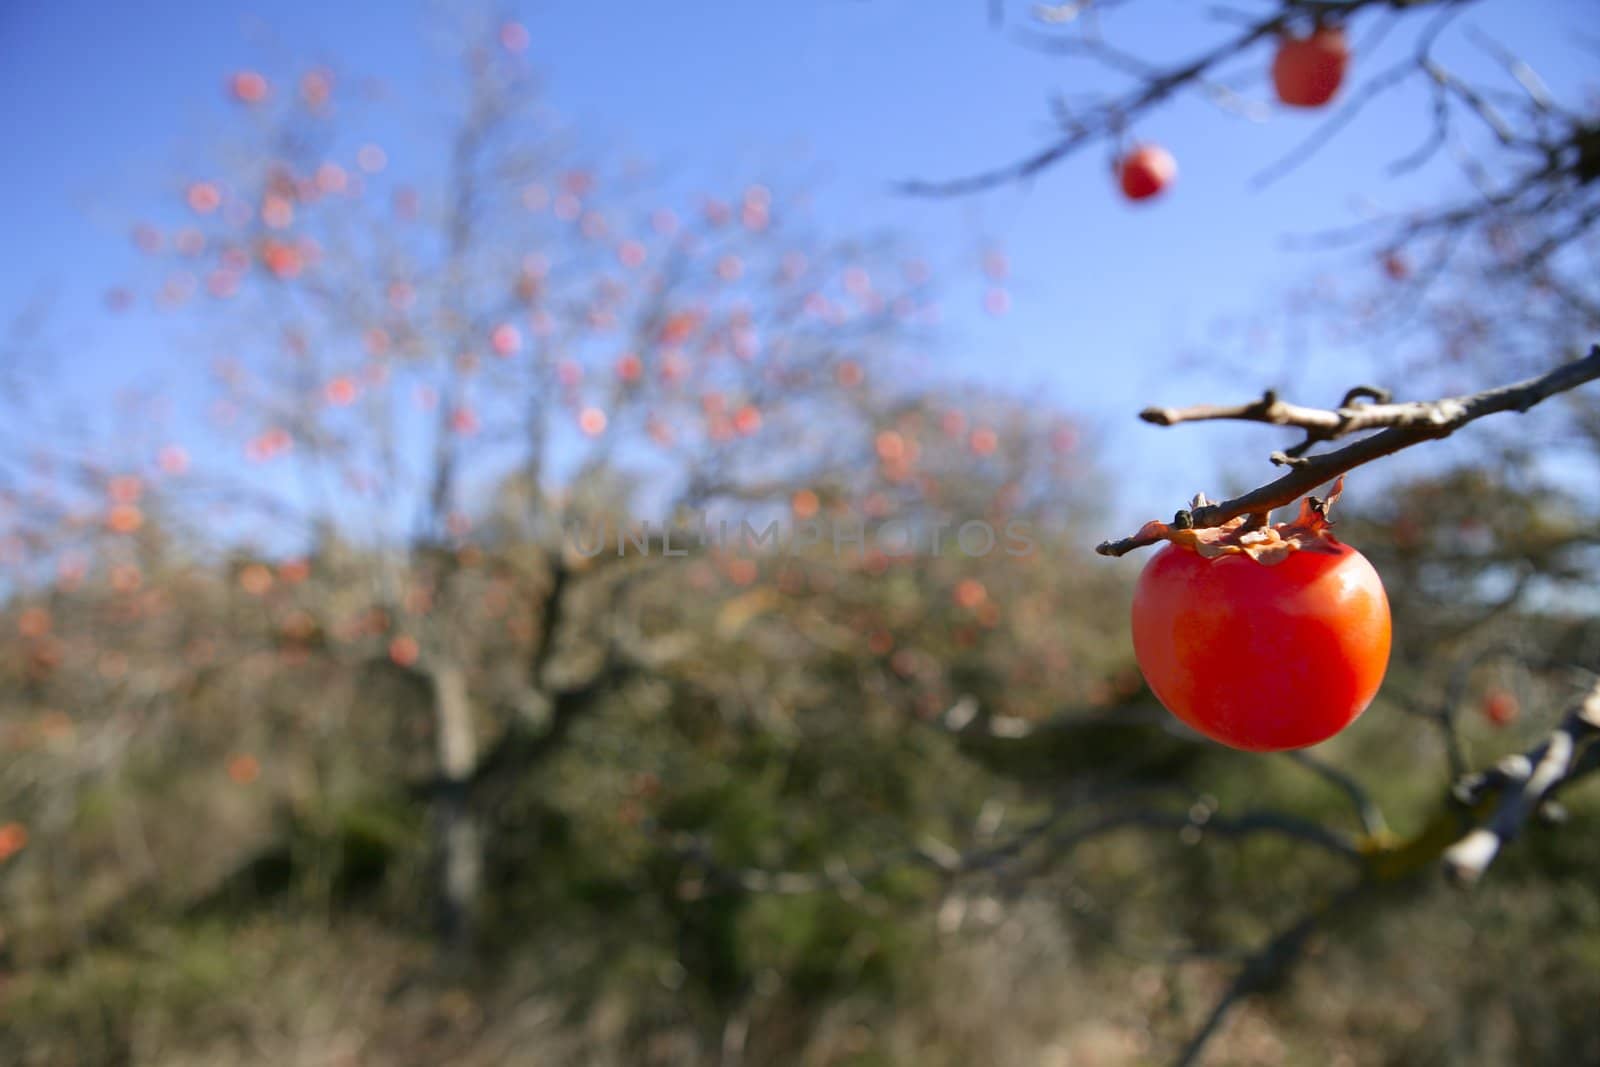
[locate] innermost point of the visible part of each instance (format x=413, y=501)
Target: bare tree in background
x=433, y=371
x=434, y=393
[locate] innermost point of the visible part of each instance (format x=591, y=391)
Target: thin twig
x=1371, y=816
x=1260, y=971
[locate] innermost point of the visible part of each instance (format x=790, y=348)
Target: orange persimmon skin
x=1262, y=657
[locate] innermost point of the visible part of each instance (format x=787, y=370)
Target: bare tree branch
x=1110, y=117
x=948, y=860
x=1403, y=425
x=1108, y=120
x=1524, y=782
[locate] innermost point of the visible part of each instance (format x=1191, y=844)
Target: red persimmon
x=1307, y=71
x=1146, y=171
x=1264, y=640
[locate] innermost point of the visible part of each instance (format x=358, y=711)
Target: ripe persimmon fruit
x=1307, y=71
x=1263, y=639
x=1145, y=171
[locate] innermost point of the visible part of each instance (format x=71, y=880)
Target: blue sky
x=100, y=99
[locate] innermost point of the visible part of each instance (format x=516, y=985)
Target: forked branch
x=1399, y=427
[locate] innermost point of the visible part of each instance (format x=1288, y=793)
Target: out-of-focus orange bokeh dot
x=243, y=768
x=249, y=87
x=742, y=571
x=255, y=579
x=204, y=198
x=124, y=519
x=13, y=839
x=34, y=622
x=404, y=650
x=341, y=391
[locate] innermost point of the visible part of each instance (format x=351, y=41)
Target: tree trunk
x=457, y=841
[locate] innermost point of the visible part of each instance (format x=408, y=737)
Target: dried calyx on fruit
x=1253, y=535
